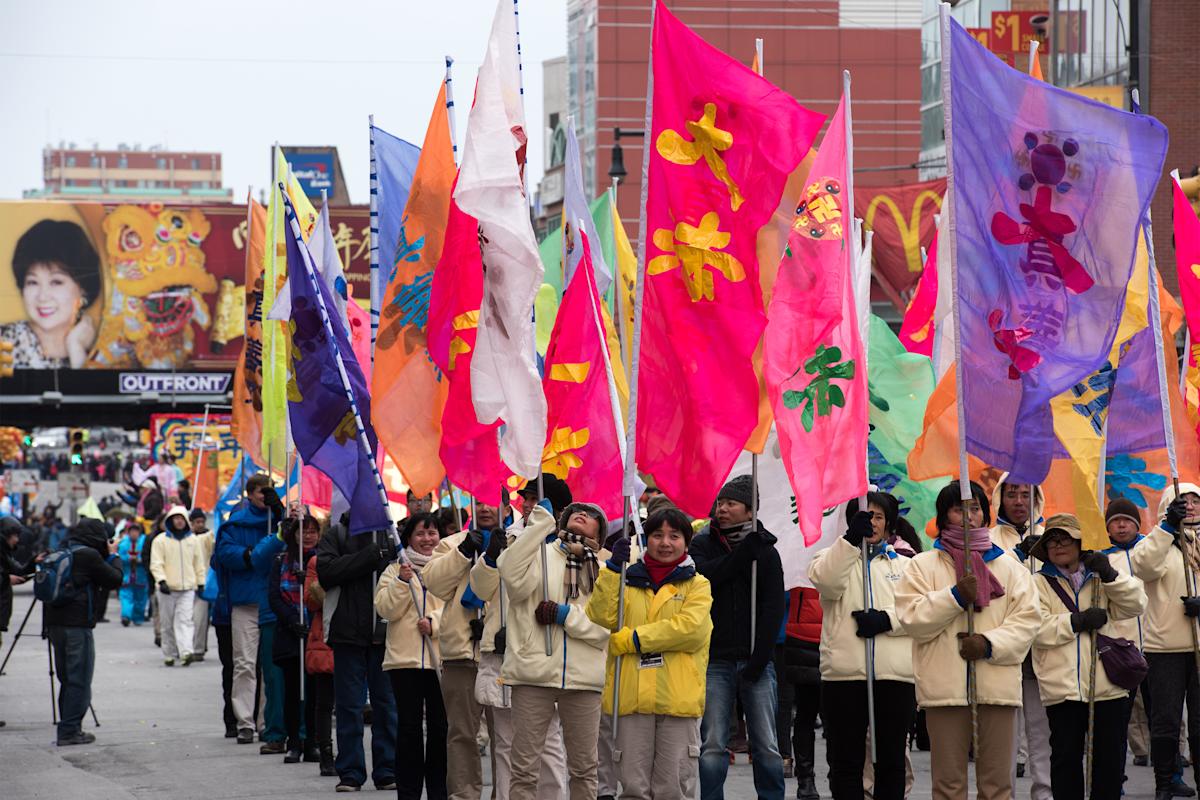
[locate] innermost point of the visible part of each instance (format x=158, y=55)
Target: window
x=122, y=162
x=195, y=163
x=94, y=161
x=161, y=163
x=70, y=161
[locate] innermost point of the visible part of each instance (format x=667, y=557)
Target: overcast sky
x=235, y=77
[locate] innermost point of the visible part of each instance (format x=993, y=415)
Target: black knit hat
x=740, y=489
x=1122, y=507
x=554, y=489
x=198, y=513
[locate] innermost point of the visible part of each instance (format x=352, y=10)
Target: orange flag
x=204, y=482
x=248, y=378
x=408, y=390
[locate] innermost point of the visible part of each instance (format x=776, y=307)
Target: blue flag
x=395, y=165
x=1047, y=190
x=328, y=404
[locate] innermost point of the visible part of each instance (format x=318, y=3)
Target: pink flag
x=582, y=445
x=812, y=348
x=916, y=330
x=1187, y=261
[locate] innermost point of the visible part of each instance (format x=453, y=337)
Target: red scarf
x=659, y=570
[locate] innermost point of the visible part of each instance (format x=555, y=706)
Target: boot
x=806, y=784
x=327, y=769
x=311, y=754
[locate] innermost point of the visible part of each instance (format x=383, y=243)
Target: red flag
x=916, y=330
x=724, y=142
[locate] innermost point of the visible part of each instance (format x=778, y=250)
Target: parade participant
x=69, y=626
x=412, y=661
x=932, y=598
x=244, y=542
x=318, y=662
x=349, y=564
x=662, y=647
x=571, y=676
x=837, y=573
x=178, y=568
x=1167, y=562
x=418, y=505
x=447, y=576
x=800, y=688
x=135, y=580
x=284, y=586
x=740, y=667
x=1079, y=594
x=200, y=617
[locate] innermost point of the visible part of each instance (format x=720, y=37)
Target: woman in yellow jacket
x=411, y=660
x=663, y=649
x=1079, y=595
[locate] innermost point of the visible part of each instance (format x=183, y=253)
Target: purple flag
x=328, y=403
x=1047, y=190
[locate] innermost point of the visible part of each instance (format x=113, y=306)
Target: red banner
x=902, y=219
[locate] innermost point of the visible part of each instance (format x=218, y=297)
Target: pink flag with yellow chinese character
x=723, y=142
x=812, y=348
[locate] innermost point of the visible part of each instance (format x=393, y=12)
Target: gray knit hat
x=740, y=489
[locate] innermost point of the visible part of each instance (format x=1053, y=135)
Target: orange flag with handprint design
x=723, y=141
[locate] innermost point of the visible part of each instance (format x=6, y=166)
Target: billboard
x=180, y=436
x=314, y=171
x=136, y=287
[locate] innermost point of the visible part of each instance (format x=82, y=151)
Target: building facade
x=130, y=174
x=548, y=204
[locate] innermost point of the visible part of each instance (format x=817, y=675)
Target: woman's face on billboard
x=52, y=297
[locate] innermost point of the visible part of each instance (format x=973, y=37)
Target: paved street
x=161, y=732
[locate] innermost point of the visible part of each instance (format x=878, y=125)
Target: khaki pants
x=579, y=712
x=606, y=764
x=551, y=783
x=950, y=741
x=658, y=756
x=1139, y=728
x=244, y=625
x=464, y=776
x=1037, y=739
x=869, y=771
x=200, y=624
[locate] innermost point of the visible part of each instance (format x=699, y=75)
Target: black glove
x=163, y=588
x=200, y=589
x=871, y=622
x=620, y=552
x=497, y=541
x=500, y=641
x=752, y=672
x=860, y=528
x=272, y=501
x=471, y=544
x=1099, y=564
x=476, y=626
x=1027, y=544
x=1090, y=619
x=1191, y=606
x=1176, y=512
x=300, y=630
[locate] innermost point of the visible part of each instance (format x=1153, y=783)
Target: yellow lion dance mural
x=156, y=282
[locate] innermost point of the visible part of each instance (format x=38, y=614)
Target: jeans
x=275, y=729
x=74, y=661
x=759, y=702
x=355, y=670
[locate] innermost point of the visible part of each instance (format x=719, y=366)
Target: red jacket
x=318, y=657
x=804, y=615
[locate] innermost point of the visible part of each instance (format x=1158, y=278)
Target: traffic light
x=6, y=359
x=77, y=439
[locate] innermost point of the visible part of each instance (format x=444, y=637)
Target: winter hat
x=197, y=513
x=1122, y=508
x=740, y=489
x=1068, y=523
x=591, y=509
x=554, y=489
x=658, y=502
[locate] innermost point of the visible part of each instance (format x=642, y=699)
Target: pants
x=274, y=728
x=868, y=780
x=1037, y=737
x=950, y=740
x=175, y=610
x=607, y=770
x=579, y=712
x=418, y=696
x=357, y=670
x=244, y=638
x=799, y=706
x=225, y=653
x=1139, y=724
x=298, y=718
x=75, y=662
x=658, y=757
x=322, y=701
x=844, y=709
x=200, y=626
x=1068, y=733
x=1172, y=681
x=464, y=781
x=133, y=603
x=759, y=703
x=553, y=759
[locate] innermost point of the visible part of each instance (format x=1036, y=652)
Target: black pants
x=225, y=653
x=796, y=719
x=322, y=702
x=417, y=691
x=292, y=705
x=1171, y=681
x=844, y=710
x=1068, y=735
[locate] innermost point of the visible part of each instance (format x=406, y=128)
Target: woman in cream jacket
x=848, y=629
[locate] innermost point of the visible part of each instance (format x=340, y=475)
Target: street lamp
x=617, y=170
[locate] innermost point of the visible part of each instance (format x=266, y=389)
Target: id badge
x=650, y=660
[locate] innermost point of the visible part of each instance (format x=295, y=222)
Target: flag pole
x=450, y=109
x=373, y=248
x=758, y=55
x=199, y=455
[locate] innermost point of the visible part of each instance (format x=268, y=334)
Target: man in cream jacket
x=178, y=567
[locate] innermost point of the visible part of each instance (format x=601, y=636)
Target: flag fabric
x=724, y=141
x=393, y=166
x=1187, y=264
x=246, y=419
x=813, y=355
x=583, y=445
x=204, y=477
x=1047, y=190
x=325, y=412
x=576, y=208
x=505, y=384
x=329, y=268
x=917, y=328
x=408, y=389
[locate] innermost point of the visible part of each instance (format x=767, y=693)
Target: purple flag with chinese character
x=325, y=413
x=1047, y=190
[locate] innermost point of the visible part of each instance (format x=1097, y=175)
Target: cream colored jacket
x=1132, y=628
x=579, y=646
x=933, y=618
x=837, y=574
x=179, y=562
x=447, y=575
x=485, y=583
x=1159, y=564
x=1061, y=657
x=405, y=647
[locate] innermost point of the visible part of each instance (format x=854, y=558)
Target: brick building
x=130, y=174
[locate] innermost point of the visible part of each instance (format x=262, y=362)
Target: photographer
x=13, y=572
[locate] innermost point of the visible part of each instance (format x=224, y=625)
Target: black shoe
x=124, y=622
x=1181, y=789
x=245, y=736
x=76, y=738
x=272, y=748
x=293, y=757
x=1164, y=794
x=311, y=753
x=347, y=786
x=1141, y=761
x=806, y=789
x=327, y=768
x=231, y=733
x=1020, y=770
x=388, y=785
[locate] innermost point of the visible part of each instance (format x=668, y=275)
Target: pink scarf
x=952, y=538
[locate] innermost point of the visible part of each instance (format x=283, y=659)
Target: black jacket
x=10, y=565
x=351, y=564
x=728, y=570
x=93, y=570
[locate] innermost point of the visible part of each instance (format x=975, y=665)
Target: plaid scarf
x=582, y=566
x=291, y=582
x=1188, y=541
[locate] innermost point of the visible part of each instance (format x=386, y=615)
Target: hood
x=177, y=511
x=1168, y=496
x=1035, y=513
x=90, y=532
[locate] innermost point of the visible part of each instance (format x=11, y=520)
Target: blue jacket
x=243, y=555
x=134, y=573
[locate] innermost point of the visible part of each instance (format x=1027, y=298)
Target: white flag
x=325, y=257
x=504, y=379
x=576, y=207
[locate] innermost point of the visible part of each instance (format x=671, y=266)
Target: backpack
x=53, y=584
